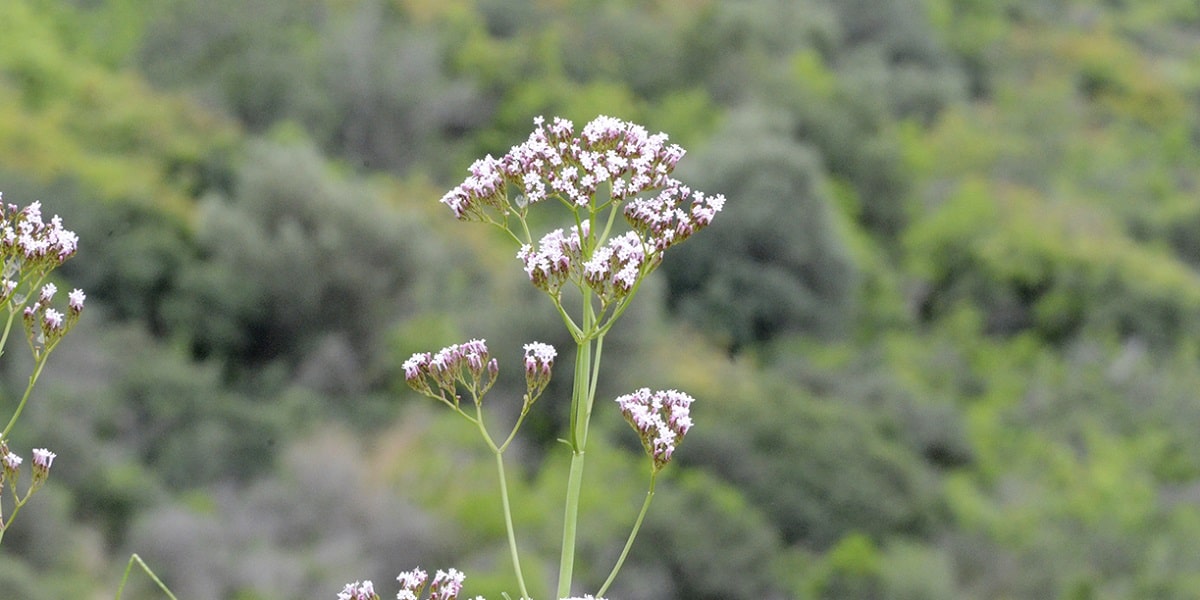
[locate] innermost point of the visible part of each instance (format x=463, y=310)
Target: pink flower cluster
x=45, y=325
x=612, y=271
x=556, y=259
x=358, y=591
x=446, y=585
x=662, y=219
x=660, y=418
x=446, y=367
x=539, y=360
x=24, y=237
x=554, y=162
x=10, y=464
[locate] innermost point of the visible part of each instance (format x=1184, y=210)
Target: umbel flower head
x=28, y=242
x=446, y=585
x=439, y=374
x=619, y=157
x=661, y=419
x=469, y=363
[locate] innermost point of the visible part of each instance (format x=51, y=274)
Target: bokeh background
x=945, y=338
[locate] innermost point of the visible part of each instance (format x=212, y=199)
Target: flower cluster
x=358, y=591
x=446, y=585
x=660, y=418
x=44, y=325
x=26, y=241
x=469, y=363
x=11, y=462
x=438, y=375
x=10, y=465
x=662, y=219
x=554, y=162
x=557, y=258
x=539, y=360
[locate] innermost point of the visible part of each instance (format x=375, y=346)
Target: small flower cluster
x=446, y=585
x=10, y=465
x=44, y=325
x=358, y=591
x=450, y=365
x=539, y=360
x=662, y=220
x=612, y=271
x=26, y=241
x=557, y=258
x=437, y=375
x=660, y=418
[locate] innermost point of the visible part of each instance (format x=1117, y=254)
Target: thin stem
x=512, y=434
x=12, y=313
x=25, y=398
x=148, y=572
x=632, y=535
x=591, y=393
x=508, y=524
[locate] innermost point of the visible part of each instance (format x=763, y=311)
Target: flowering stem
x=508, y=523
x=632, y=535
x=12, y=314
x=587, y=366
x=28, y=389
x=575, y=476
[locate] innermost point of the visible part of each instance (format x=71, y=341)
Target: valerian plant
x=30, y=249
x=610, y=169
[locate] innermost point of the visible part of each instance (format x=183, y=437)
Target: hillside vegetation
x=944, y=339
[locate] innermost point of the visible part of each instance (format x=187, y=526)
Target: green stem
x=632, y=535
x=148, y=572
x=508, y=523
x=586, y=367
x=25, y=398
x=570, y=521
x=12, y=313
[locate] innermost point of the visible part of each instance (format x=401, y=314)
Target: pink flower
x=412, y=583
x=43, y=458
x=11, y=461
x=416, y=365
x=48, y=292
x=53, y=320
x=358, y=591
x=446, y=585
x=75, y=300
x=661, y=419
x=539, y=358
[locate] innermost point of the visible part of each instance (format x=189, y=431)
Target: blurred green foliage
x=943, y=338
